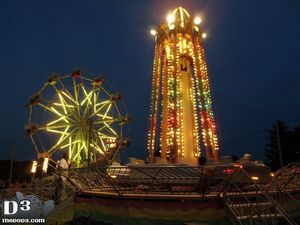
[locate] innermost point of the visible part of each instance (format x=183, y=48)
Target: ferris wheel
x=77, y=115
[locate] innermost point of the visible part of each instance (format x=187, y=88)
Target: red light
x=228, y=171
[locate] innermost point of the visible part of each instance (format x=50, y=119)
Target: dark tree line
x=281, y=137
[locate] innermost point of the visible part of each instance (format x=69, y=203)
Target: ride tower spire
x=181, y=122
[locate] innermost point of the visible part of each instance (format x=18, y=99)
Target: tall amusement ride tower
x=181, y=123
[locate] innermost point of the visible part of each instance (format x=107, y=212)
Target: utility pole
x=11, y=161
x=89, y=143
x=279, y=144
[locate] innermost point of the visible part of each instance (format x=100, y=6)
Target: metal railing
x=158, y=180
x=285, y=189
x=248, y=204
x=153, y=179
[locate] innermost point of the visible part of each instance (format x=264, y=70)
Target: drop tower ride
x=182, y=127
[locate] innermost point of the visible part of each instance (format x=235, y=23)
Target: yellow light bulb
x=34, y=167
x=153, y=32
x=197, y=20
x=171, y=18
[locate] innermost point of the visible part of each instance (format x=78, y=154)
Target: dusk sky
x=252, y=47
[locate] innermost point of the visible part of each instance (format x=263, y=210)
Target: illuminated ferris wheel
x=77, y=115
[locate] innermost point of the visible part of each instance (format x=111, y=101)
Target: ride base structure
x=173, y=194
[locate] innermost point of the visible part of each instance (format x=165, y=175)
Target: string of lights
x=181, y=103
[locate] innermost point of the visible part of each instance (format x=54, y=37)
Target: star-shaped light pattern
x=84, y=120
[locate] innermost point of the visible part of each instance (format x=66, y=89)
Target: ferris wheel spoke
x=74, y=142
x=103, y=128
x=54, y=122
x=64, y=115
x=105, y=91
x=42, y=88
x=79, y=150
x=87, y=96
x=105, y=113
x=63, y=137
x=117, y=109
x=87, y=99
x=66, y=118
x=30, y=114
x=55, y=131
x=103, y=145
x=101, y=106
x=95, y=98
x=70, y=143
x=75, y=86
x=102, y=103
x=54, y=127
x=106, y=125
x=84, y=147
x=102, y=116
x=34, y=144
x=85, y=78
x=104, y=136
x=68, y=109
x=95, y=146
x=97, y=136
x=94, y=102
x=70, y=98
x=64, y=88
x=105, y=121
x=62, y=103
x=74, y=147
x=71, y=109
x=107, y=110
x=46, y=100
x=53, y=110
x=100, y=136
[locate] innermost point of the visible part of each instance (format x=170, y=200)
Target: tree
x=294, y=145
x=278, y=134
x=281, y=138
